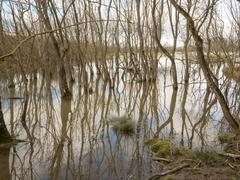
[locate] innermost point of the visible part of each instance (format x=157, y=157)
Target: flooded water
x=72, y=138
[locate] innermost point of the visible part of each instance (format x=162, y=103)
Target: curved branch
x=12, y=52
x=205, y=68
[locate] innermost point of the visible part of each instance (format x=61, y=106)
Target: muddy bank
x=172, y=162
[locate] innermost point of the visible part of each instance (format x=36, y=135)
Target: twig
x=169, y=171
x=231, y=166
x=198, y=164
x=15, y=98
x=161, y=159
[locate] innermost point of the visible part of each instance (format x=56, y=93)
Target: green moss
x=168, y=177
x=151, y=141
x=163, y=148
x=209, y=157
x=123, y=125
x=159, y=146
x=187, y=153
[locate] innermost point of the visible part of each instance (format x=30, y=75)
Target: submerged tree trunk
x=59, y=150
x=171, y=57
x=1, y=25
x=205, y=68
x=4, y=164
x=4, y=134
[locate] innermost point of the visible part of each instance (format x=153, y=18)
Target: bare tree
x=205, y=67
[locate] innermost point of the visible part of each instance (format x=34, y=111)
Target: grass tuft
x=123, y=125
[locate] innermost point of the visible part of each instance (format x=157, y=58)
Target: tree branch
x=12, y=52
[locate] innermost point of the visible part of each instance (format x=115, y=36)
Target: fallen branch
x=161, y=159
x=169, y=171
x=230, y=165
x=230, y=155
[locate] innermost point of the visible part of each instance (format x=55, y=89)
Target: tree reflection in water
x=72, y=139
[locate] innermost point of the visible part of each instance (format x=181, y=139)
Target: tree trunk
x=4, y=134
x=205, y=68
x=65, y=92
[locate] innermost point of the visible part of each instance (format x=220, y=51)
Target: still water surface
x=72, y=139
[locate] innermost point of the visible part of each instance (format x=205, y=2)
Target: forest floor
x=205, y=172
x=180, y=163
